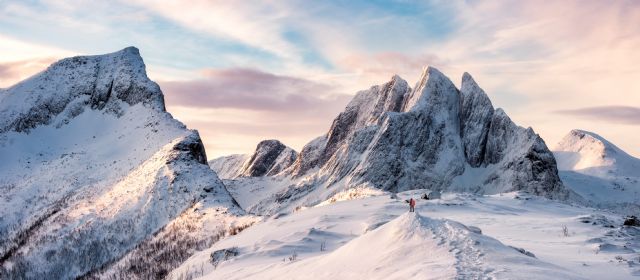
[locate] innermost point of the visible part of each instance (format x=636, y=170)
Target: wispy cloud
x=611, y=114
x=251, y=89
x=249, y=105
x=15, y=71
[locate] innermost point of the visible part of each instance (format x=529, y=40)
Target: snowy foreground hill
x=98, y=181
x=460, y=236
x=95, y=175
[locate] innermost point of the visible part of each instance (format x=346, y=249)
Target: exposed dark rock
x=632, y=221
x=270, y=158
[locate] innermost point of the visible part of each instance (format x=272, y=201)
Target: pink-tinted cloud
x=15, y=71
x=387, y=63
x=611, y=114
x=252, y=90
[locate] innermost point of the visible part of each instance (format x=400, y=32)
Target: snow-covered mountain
x=599, y=171
x=93, y=168
x=270, y=158
x=434, y=136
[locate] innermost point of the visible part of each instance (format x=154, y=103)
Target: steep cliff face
x=476, y=115
x=92, y=166
x=433, y=136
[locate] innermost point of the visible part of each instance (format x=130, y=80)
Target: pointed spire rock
x=432, y=87
x=476, y=114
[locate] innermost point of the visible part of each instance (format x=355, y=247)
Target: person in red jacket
x=412, y=205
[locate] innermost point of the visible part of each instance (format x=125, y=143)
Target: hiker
x=412, y=205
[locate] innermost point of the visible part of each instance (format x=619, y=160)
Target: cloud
x=235, y=108
x=250, y=89
x=389, y=62
x=612, y=114
x=15, y=71
x=256, y=24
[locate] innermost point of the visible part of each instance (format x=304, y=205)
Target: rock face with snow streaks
x=270, y=158
x=433, y=136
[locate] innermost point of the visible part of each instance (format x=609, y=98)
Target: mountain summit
x=434, y=136
x=599, y=171
x=93, y=168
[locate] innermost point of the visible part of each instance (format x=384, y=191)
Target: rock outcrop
x=270, y=158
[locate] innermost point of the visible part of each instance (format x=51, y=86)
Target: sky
x=243, y=71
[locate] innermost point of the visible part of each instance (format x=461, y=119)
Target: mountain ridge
x=93, y=166
x=433, y=136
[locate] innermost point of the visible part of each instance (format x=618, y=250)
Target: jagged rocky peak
x=270, y=158
x=72, y=85
x=397, y=138
x=433, y=88
x=365, y=109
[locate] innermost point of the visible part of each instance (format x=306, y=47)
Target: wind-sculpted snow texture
x=92, y=165
x=433, y=136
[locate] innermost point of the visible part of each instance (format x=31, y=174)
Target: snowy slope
x=228, y=167
x=509, y=236
x=92, y=166
x=434, y=136
x=589, y=153
x=599, y=171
